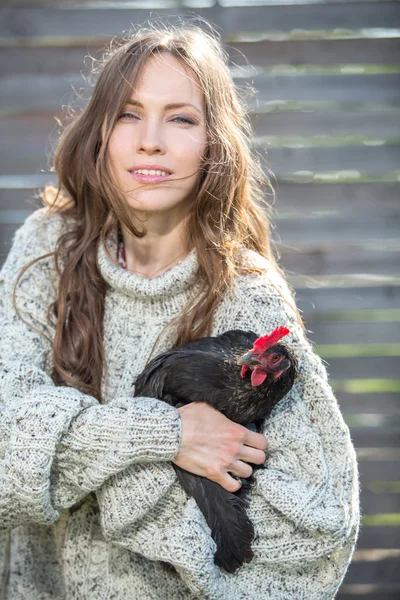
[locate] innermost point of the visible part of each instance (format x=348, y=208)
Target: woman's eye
x=183, y=120
x=124, y=115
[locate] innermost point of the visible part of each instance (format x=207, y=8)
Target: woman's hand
x=215, y=447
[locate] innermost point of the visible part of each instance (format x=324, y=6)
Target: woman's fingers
x=255, y=440
x=250, y=455
x=231, y=484
x=241, y=469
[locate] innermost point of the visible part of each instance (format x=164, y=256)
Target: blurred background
x=327, y=124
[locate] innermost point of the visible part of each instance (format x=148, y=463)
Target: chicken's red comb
x=266, y=341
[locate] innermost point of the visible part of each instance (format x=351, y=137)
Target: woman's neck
x=157, y=251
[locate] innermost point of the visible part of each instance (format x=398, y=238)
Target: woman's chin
x=154, y=206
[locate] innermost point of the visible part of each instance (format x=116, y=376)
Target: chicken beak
x=248, y=359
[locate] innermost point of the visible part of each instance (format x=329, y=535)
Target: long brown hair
x=229, y=210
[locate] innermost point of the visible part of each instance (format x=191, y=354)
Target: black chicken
x=208, y=370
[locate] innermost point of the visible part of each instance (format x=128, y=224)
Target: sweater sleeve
x=56, y=443
x=304, y=505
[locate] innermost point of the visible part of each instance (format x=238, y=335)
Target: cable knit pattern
x=89, y=502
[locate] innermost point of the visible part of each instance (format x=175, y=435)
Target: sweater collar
x=175, y=280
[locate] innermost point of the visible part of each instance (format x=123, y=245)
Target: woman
x=157, y=235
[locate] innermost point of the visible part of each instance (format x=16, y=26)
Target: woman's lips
x=149, y=178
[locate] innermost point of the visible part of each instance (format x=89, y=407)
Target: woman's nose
x=151, y=137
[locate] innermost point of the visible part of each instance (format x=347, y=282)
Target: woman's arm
x=304, y=505
x=57, y=444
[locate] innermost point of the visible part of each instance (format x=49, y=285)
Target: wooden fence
x=327, y=123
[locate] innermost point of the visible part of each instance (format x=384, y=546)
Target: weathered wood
x=379, y=503
x=316, y=301
x=344, y=258
x=336, y=229
x=338, y=199
x=382, y=572
x=55, y=59
x=372, y=471
x=363, y=159
x=321, y=52
x=379, y=537
x=356, y=332
x=48, y=92
x=365, y=367
x=45, y=22
x=376, y=122
x=18, y=200
x=386, y=591
x=385, y=403
x=388, y=437
x=339, y=88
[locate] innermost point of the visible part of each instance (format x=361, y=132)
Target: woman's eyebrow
x=167, y=106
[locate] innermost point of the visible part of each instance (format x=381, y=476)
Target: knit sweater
x=90, y=506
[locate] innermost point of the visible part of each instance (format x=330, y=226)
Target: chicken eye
x=275, y=358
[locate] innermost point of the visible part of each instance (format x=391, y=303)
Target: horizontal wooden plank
x=54, y=59
x=28, y=181
x=333, y=229
x=309, y=51
x=31, y=22
x=385, y=403
x=49, y=92
x=352, y=176
x=316, y=301
x=335, y=122
x=385, y=503
x=372, y=350
x=359, y=368
x=356, y=332
x=361, y=316
x=341, y=281
x=378, y=454
x=360, y=159
x=377, y=88
x=375, y=555
x=376, y=573
x=324, y=259
x=379, y=537
x=338, y=199
x=375, y=471
x=365, y=385
x=389, y=437
x=385, y=591
x=121, y=4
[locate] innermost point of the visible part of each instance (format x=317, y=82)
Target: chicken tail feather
x=225, y=513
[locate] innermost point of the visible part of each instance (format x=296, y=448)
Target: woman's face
x=149, y=132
